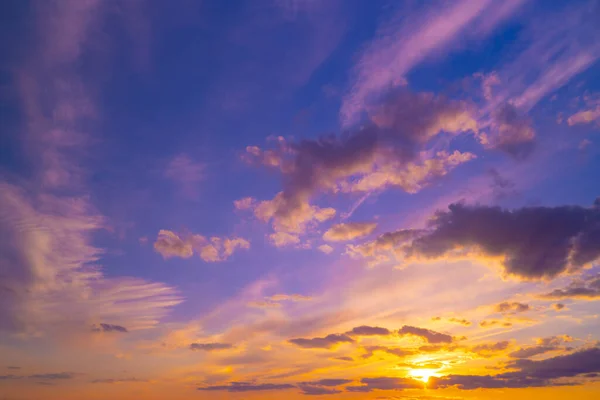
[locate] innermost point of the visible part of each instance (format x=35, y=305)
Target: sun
x=423, y=374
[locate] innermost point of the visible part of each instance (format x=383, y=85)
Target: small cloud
x=282, y=239
x=511, y=308
x=241, y=387
x=489, y=323
x=349, y=231
x=369, y=331
x=13, y=367
x=245, y=203
x=210, y=346
x=109, y=328
x=585, y=289
x=584, y=117
x=426, y=334
x=325, y=248
x=214, y=249
x=558, y=306
x=326, y=342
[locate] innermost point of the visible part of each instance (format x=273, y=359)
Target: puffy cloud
x=544, y=345
x=109, y=328
x=348, y=231
x=245, y=203
x=558, y=306
x=389, y=151
x=530, y=243
x=282, y=239
x=325, y=248
x=326, y=342
x=386, y=247
x=426, y=334
x=586, y=289
x=210, y=346
x=214, y=249
x=511, y=308
x=235, y=387
x=169, y=244
x=365, y=330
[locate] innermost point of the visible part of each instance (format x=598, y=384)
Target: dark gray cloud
x=511, y=307
x=236, y=387
x=326, y=342
x=365, y=330
x=527, y=352
x=531, y=242
x=109, y=328
x=210, y=346
x=587, y=289
x=427, y=334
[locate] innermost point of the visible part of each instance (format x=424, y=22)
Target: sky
x=266, y=199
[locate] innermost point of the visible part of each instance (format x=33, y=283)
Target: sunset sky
x=274, y=199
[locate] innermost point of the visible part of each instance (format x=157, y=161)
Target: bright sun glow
x=423, y=374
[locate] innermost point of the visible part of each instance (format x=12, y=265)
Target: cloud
x=511, y=133
x=317, y=390
x=488, y=323
x=109, y=328
x=169, y=244
x=48, y=376
x=530, y=243
x=122, y=380
x=289, y=297
x=210, y=346
x=410, y=37
x=245, y=203
x=491, y=348
x=586, y=289
x=325, y=248
x=186, y=173
x=235, y=387
x=558, y=306
x=349, y=231
x=460, y=321
x=344, y=358
x=584, y=117
x=511, y=308
x=214, y=249
x=326, y=342
x=51, y=274
x=396, y=351
x=385, y=383
x=426, y=334
x=388, y=151
x=386, y=247
x=365, y=330
x=282, y=239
